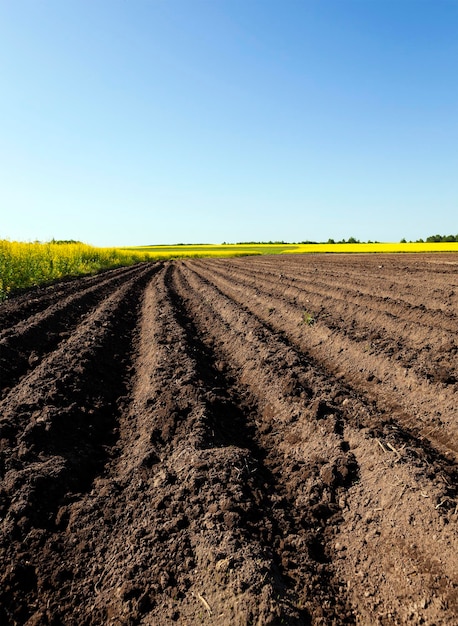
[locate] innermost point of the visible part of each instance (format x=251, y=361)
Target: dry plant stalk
x=204, y=602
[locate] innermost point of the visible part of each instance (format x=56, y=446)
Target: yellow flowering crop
x=27, y=264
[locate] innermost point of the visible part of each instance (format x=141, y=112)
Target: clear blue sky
x=128, y=122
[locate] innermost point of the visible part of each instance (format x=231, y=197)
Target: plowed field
x=233, y=442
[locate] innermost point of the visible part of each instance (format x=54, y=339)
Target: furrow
x=378, y=286
x=307, y=487
x=409, y=398
x=67, y=400
x=181, y=496
x=346, y=305
x=312, y=435
x=32, y=301
x=414, y=279
x=237, y=418
x=57, y=430
x=25, y=344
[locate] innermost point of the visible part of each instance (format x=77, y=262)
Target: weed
x=308, y=318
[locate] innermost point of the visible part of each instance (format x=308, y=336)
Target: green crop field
x=213, y=250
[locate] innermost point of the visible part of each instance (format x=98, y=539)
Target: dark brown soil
x=233, y=442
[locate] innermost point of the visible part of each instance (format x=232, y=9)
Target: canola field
x=230, y=250
x=24, y=265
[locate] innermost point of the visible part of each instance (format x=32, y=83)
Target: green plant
x=308, y=318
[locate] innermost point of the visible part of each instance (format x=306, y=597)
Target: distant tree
x=352, y=240
x=261, y=243
x=64, y=241
x=439, y=238
x=403, y=240
x=330, y=241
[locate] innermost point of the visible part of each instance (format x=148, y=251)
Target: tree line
x=430, y=239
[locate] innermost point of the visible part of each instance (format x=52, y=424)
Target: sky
x=136, y=122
